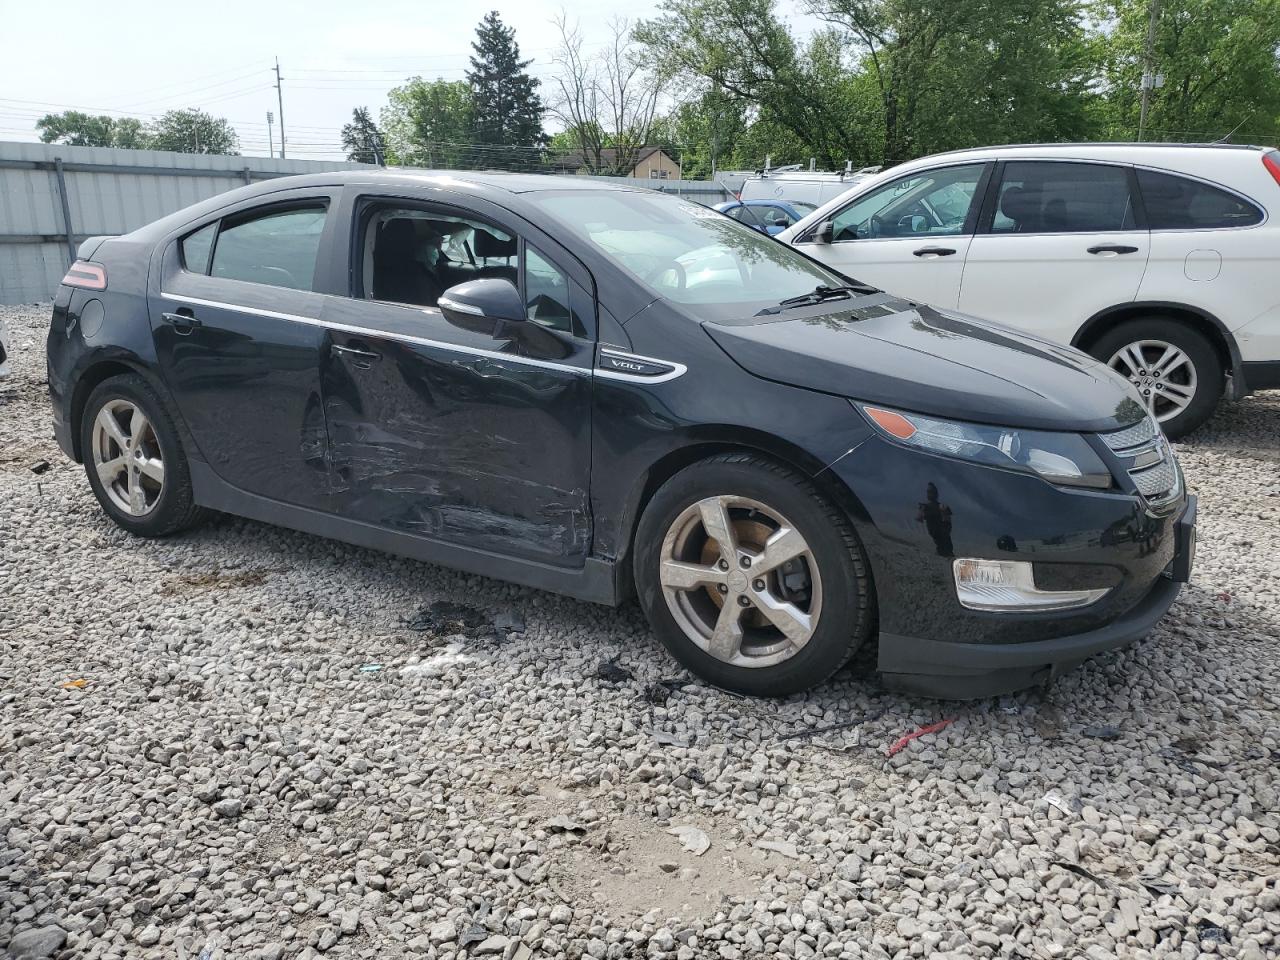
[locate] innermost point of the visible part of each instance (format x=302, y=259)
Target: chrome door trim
x=373, y=332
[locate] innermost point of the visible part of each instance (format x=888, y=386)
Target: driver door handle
x=182, y=323
x=363, y=359
x=933, y=252
x=1112, y=248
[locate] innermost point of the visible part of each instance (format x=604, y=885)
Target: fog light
x=1009, y=585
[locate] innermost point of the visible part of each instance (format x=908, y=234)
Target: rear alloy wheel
x=750, y=577
x=1173, y=367
x=134, y=458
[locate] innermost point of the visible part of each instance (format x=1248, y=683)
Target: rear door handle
x=1112, y=248
x=933, y=252
x=182, y=323
x=363, y=359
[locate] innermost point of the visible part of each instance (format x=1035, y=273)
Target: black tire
x=1195, y=344
x=174, y=508
x=848, y=601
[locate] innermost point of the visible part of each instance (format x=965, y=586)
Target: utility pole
x=1148, y=67
x=271, y=141
x=280, y=104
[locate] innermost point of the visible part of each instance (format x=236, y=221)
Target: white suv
x=1159, y=259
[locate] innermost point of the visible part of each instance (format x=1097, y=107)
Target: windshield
x=685, y=252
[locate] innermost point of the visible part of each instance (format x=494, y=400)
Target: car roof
x=1084, y=150
x=497, y=179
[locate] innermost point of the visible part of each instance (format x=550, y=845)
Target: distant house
x=654, y=163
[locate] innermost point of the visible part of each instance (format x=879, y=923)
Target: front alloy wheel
x=741, y=581
x=751, y=577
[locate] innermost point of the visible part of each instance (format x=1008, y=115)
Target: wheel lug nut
x=723, y=564
x=746, y=562
x=744, y=602
x=723, y=588
x=757, y=584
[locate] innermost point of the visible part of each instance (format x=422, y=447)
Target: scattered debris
x=39, y=467
x=79, y=684
x=1211, y=932
x=1052, y=799
x=692, y=839
x=1158, y=888
x=669, y=739
x=815, y=731
x=660, y=691
x=476, y=932
x=694, y=774
x=446, y=618
x=434, y=666
x=1103, y=732
x=371, y=668
x=563, y=824
x=931, y=728
x=777, y=846
x=1225, y=596
x=610, y=672
x=668, y=866
x=1079, y=871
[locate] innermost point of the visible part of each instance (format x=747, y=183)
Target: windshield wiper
x=820, y=294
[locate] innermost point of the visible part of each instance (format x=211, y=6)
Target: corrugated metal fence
x=53, y=196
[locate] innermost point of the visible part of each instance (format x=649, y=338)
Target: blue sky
x=135, y=58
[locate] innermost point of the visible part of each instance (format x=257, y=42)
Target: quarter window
x=277, y=248
x=546, y=292
x=929, y=203
x=1050, y=197
x=196, y=248
x=1176, y=203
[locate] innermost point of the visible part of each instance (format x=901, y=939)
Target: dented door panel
x=453, y=434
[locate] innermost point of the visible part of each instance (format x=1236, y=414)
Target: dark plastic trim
x=595, y=581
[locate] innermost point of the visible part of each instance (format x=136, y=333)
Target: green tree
x=506, y=108
x=1218, y=62
x=428, y=123
x=193, y=131
x=84, y=130
x=361, y=138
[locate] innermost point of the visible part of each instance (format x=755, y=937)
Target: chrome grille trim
x=1140, y=434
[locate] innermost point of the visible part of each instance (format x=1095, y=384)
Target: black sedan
x=609, y=393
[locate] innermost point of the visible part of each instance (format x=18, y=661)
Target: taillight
x=1271, y=161
x=90, y=276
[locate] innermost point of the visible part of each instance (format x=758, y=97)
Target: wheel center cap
x=737, y=580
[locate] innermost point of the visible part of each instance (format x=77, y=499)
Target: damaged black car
x=611, y=393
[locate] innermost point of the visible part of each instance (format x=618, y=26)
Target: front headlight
x=1062, y=458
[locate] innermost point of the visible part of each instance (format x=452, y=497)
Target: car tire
x=1201, y=372
x=137, y=470
x=823, y=591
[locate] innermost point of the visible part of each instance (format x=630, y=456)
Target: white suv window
x=1176, y=203
x=1042, y=196
x=926, y=203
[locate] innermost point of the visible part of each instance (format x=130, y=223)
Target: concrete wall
x=110, y=191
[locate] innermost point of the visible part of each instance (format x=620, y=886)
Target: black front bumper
x=962, y=671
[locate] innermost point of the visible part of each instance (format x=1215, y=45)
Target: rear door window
x=1179, y=203
x=1041, y=196
x=277, y=248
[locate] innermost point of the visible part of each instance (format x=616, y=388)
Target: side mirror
x=826, y=230
x=491, y=298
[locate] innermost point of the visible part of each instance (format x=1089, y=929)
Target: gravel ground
x=198, y=758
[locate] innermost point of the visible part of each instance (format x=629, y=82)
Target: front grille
x=1138, y=435
x=1147, y=459
x=1156, y=481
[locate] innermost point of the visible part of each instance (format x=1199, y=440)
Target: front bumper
x=923, y=511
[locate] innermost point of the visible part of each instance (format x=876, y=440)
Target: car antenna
x=1227, y=138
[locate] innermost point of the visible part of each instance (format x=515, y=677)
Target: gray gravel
x=235, y=779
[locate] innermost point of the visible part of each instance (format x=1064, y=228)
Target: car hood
x=885, y=350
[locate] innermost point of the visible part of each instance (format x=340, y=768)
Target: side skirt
x=595, y=581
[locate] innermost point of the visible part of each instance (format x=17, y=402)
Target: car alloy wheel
x=126, y=454
x=1163, y=373
x=740, y=581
